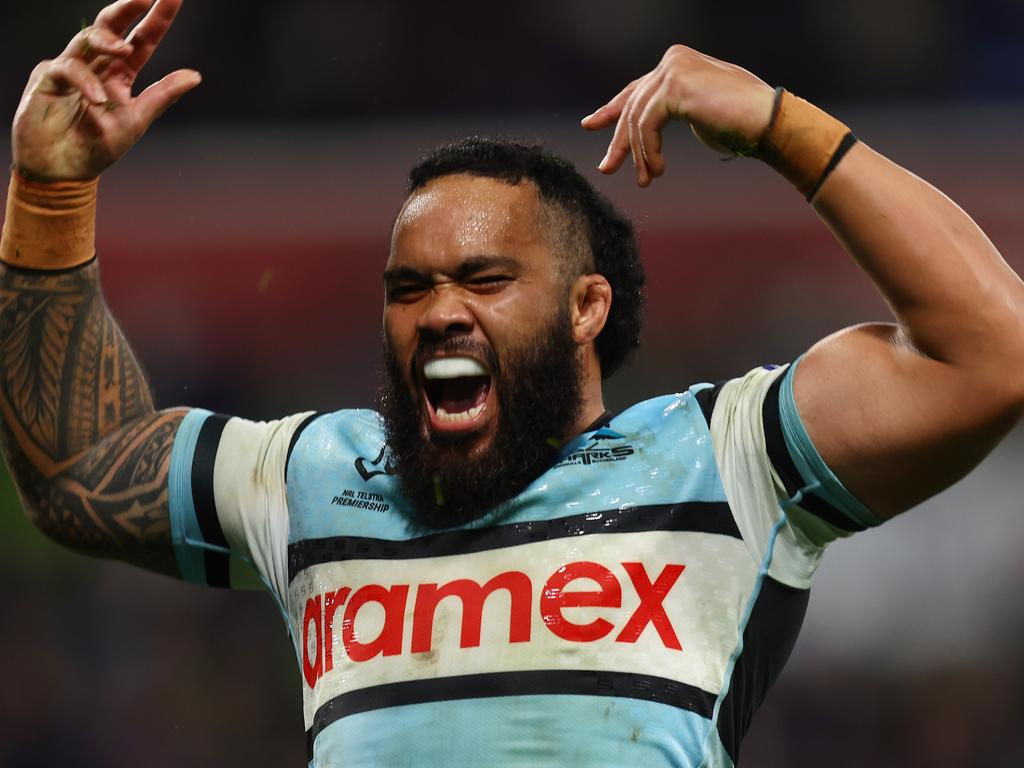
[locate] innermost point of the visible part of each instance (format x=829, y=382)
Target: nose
x=445, y=313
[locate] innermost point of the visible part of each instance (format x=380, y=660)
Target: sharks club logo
x=605, y=445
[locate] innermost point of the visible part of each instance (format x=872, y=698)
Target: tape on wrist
x=49, y=226
x=803, y=143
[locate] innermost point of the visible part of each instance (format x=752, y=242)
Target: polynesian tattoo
x=85, y=447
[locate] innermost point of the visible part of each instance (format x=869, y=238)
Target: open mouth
x=457, y=392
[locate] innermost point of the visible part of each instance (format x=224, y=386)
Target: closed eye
x=488, y=283
x=405, y=292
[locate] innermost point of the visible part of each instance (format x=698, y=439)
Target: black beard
x=539, y=392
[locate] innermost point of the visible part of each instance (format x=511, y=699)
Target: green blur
x=22, y=547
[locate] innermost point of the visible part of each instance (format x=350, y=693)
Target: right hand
x=727, y=107
x=77, y=115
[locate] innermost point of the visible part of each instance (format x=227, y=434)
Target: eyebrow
x=467, y=267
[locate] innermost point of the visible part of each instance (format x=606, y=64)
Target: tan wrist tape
x=803, y=143
x=49, y=226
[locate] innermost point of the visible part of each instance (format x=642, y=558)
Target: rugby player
x=491, y=569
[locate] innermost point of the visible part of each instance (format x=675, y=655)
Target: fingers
x=649, y=127
x=604, y=116
x=615, y=111
x=646, y=96
x=622, y=111
x=61, y=76
x=643, y=176
x=628, y=132
x=646, y=116
x=618, y=147
x=119, y=17
x=150, y=31
x=158, y=97
x=95, y=41
x=640, y=117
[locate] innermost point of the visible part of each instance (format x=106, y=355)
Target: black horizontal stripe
x=692, y=516
x=792, y=480
x=18, y=269
x=546, y=682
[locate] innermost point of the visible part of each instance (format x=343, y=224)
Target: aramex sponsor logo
x=321, y=611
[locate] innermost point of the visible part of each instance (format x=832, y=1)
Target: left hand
x=727, y=108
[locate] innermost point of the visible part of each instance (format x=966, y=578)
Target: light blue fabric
x=672, y=460
x=184, y=524
x=516, y=732
x=812, y=468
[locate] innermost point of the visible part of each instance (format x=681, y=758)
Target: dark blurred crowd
x=328, y=59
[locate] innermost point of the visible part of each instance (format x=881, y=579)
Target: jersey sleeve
x=228, y=505
x=788, y=504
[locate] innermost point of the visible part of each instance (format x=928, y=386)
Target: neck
x=587, y=419
x=593, y=396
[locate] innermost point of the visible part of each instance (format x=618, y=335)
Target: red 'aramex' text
x=321, y=612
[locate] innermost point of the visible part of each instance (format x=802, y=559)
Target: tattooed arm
x=85, y=446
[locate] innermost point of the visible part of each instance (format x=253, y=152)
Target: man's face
x=481, y=371
x=470, y=267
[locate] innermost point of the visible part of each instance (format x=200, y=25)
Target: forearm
x=957, y=300
x=80, y=434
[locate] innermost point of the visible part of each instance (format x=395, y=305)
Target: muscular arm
x=902, y=411
x=898, y=411
x=85, y=447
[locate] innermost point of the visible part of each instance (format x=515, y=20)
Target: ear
x=590, y=300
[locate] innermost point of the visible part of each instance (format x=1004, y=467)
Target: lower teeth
x=469, y=415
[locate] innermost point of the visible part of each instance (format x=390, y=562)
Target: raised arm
x=898, y=411
x=86, y=449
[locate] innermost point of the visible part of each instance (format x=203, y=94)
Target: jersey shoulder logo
x=368, y=474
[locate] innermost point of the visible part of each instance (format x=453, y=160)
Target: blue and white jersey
x=630, y=607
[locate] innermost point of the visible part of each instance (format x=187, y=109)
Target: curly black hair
x=609, y=234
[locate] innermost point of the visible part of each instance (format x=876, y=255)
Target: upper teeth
x=452, y=368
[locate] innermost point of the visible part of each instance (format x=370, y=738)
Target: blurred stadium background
x=242, y=244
